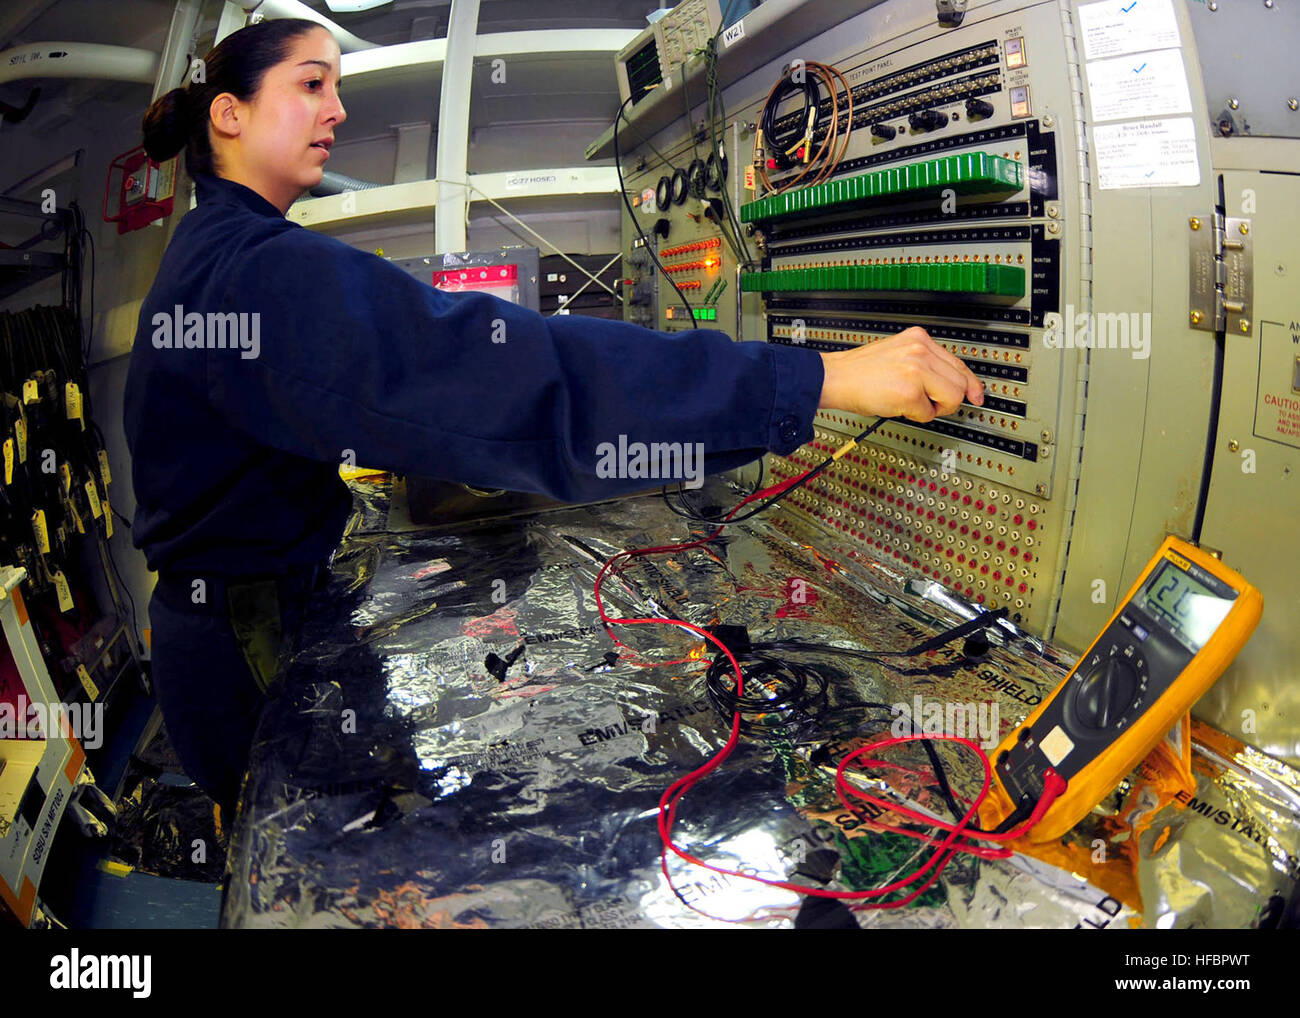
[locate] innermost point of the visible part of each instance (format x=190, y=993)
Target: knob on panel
x=680, y=186
x=927, y=120
x=663, y=193
x=715, y=171
x=696, y=177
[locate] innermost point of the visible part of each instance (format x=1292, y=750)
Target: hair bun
x=166, y=124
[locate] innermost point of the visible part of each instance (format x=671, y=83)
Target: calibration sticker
x=1056, y=745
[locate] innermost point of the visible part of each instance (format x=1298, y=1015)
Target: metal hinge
x=1221, y=268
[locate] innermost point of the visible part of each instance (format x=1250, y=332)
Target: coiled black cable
x=782, y=144
x=782, y=699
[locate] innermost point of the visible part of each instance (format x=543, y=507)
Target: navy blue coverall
x=236, y=436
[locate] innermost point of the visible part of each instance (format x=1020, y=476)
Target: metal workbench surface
x=396, y=782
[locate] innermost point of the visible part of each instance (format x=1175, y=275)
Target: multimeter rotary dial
x=1112, y=684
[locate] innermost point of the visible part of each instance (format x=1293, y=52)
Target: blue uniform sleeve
x=355, y=357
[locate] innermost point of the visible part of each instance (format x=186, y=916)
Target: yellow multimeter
x=1180, y=626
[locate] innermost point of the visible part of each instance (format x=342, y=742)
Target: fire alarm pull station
x=144, y=190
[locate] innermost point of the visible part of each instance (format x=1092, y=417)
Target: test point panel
x=1042, y=188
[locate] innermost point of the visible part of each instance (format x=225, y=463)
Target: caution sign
x=1277, y=409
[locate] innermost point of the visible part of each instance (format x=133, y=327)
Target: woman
x=266, y=355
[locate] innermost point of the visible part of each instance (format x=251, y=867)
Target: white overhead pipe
x=78, y=60
x=175, y=60
x=348, y=42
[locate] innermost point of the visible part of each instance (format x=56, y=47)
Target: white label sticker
x=530, y=181
x=736, y=31
x=1125, y=26
x=1056, y=745
x=1141, y=85
x=1148, y=153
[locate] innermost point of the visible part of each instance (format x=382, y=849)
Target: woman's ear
x=223, y=114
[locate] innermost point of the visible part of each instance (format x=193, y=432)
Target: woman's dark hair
x=179, y=119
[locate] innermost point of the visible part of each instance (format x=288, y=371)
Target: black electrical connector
x=976, y=646
x=734, y=638
x=498, y=666
x=608, y=660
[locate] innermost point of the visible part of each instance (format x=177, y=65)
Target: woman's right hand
x=907, y=375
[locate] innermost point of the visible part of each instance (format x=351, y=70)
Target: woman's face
x=277, y=143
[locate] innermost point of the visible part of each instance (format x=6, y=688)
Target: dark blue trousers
x=208, y=691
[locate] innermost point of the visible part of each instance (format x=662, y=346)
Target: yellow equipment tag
x=93, y=495
x=87, y=683
x=41, y=531
x=72, y=398
x=62, y=589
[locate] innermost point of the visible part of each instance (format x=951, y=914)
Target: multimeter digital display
x=1189, y=608
x=1182, y=623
